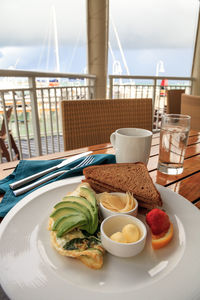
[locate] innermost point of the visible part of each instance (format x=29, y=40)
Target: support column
x=196, y=63
x=35, y=116
x=97, y=51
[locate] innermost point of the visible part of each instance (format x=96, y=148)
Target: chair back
x=3, y=126
x=90, y=122
x=174, y=101
x=190, y=105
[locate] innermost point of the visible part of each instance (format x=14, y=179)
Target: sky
x=148, y=30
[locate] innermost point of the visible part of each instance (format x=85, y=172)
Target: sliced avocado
x=66, y=224
x=89, y=194
x=63, y=211
x=59, y=221
x=79, y=207
x=87, y=204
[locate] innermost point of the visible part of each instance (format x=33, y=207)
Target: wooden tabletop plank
x=9, y=166
x=193, y=140
x=194, y=132
x=155, y=141
x=188, y=187
x=197, y=204
x=191, y=166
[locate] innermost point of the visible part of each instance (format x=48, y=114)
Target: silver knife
x=67, y=161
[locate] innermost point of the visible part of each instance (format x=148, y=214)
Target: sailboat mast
x=55, y=39
x=120, y=47
x=111, y=51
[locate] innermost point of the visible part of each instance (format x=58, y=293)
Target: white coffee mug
x=131, y=145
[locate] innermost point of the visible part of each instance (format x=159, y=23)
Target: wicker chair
x=3, y=137
x=90, y=122
x=174, y=101
x=190, y=105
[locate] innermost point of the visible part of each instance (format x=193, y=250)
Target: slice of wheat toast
x=124, y=177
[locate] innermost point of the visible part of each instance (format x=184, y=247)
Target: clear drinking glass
x=173, y=141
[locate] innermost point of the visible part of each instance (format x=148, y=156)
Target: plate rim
x=64, y=182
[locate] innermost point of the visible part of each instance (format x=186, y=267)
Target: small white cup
x=131, y=145
x=114, y=224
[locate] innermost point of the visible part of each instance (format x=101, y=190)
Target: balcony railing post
x=89, y=83
x=94, y=83
x=110, y=87
x=154, y=100
x=35, y=116
x=6, y=126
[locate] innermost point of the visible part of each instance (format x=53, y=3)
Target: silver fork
x=87, y=160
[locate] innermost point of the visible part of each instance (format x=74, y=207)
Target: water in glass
x=173, y=142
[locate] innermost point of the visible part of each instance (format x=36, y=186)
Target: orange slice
x=159, y=242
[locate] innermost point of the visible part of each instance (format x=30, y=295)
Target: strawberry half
x=158, y=221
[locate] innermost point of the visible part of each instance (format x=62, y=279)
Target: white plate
x=31, y=269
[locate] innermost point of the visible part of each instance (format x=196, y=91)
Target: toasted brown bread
x=132, y=177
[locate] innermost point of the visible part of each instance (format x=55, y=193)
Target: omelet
x=74, y=227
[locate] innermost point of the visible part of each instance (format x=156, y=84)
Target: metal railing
x=36, y=116
x=154, y=87
x=35, y=97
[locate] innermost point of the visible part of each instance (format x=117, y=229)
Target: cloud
x=24, y=23
x=36, y=58
x=154, y=23
x=139, y=23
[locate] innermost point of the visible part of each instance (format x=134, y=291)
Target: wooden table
x=186, y=184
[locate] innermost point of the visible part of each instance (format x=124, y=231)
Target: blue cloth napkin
x=26, y=168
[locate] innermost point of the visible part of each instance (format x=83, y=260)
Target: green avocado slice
x=89, y=195
x=68, y=223
x=79, y=208
x=85, y=203
x=63, y=211
x=91, y=198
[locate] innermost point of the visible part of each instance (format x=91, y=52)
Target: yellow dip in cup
x=117, y=203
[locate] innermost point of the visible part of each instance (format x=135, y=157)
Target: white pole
x=56, y=39
x=120, y=47
x=111, y=51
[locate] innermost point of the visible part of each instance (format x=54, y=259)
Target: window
x=43, y=35
x=156, y=37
